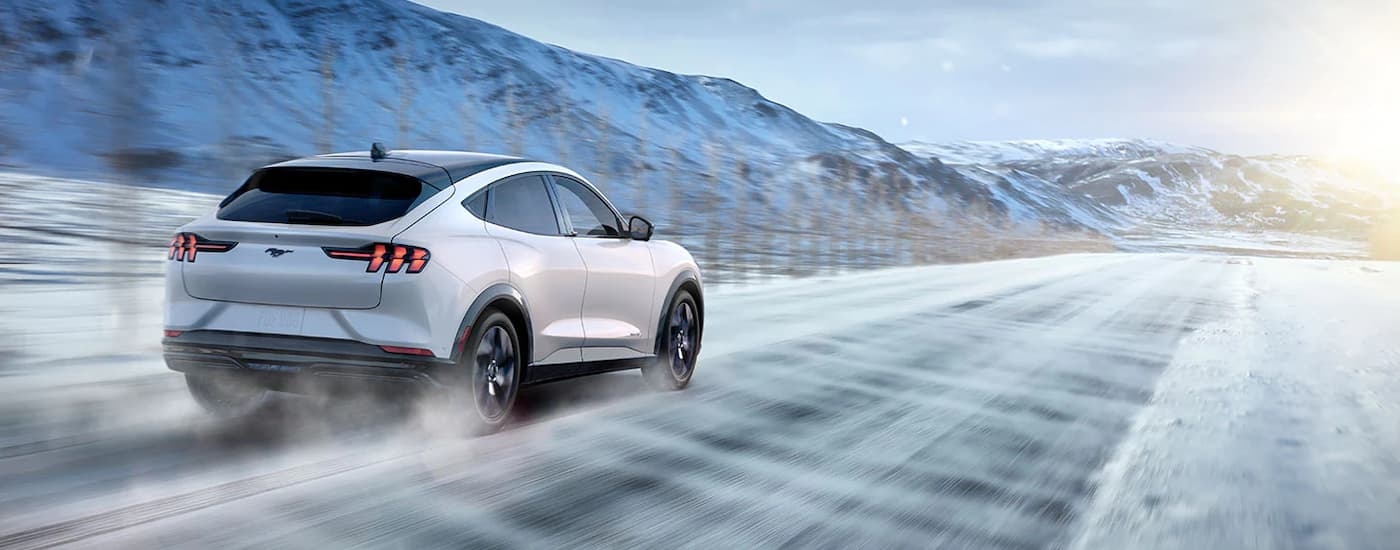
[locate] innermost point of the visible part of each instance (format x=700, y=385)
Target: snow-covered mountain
x=1140, y=186
x=195, y=92
x=1038, y=150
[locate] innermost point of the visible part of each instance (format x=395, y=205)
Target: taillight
x=173, y=333
x=396, y=256
x=184, y=246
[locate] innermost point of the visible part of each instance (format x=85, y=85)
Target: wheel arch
x=689, y=281
x=510, y=301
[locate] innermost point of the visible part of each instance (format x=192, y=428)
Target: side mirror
x=639, y=228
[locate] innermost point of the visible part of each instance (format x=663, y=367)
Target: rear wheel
x=679, y=345
x=226, y=396
x=492, y=365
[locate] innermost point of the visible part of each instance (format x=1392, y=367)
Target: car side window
x=522, y=204
x=585, y=210
x=476, y=204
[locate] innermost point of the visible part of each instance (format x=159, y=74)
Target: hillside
x=191, y=94
x=1142, y=187
x=196, y=92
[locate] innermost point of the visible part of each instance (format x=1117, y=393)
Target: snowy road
x=1095, y=401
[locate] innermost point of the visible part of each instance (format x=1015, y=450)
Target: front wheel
x=678, y=346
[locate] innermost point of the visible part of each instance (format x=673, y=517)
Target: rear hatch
x=283, y=221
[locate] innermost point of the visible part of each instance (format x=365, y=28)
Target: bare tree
x=9, y=61
x=731, y=173
x=515, y=126
x=906, y=233
x=468, y=112
x=843, y=240
x=129, y=112
x=326, y=138
x=918, y=229
x=673, y=194
x=863, y=224
x=713, y=214
x=228, y=64
x=931, y=227
x=805, y=215
x=402, y=61
x=826, y=240
x=797, y=226
x=558, y=127
x=640, y=179
x=601, y=141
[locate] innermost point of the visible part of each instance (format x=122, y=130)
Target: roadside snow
x=1274, y=427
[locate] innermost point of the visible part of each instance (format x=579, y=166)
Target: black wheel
x=678, y=346
x=492, y=365
x=226, y=396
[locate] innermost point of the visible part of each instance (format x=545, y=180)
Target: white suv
x=462, y=272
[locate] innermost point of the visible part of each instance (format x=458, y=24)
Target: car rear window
x=324, y=196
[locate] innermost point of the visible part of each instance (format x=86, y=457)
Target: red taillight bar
x=379, y=254
x=349, y=254
x=407, y=351
x=173, y=333
x=418, y=259
x=400, y=254
x=184, y=246
x=378, y=259
x=177, y=247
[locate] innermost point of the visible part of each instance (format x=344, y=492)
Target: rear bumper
x=287, y=362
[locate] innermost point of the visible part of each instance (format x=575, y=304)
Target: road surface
x=1089, y=401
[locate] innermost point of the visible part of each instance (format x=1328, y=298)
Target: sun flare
x=1354, y=104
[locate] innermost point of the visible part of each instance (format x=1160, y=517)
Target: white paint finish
x=550, y=273
x=305, y=276
x=425, y=307
x=478, y=181
x=302, y=276
x=411, y=314
x=618, y=299
x=670, y=261
x=562, y=356
x=599, y=329
x=570, y=328
x=611, y=353
x=462, y=250
x=616, y=284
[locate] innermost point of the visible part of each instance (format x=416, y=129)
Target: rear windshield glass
x=324, y=196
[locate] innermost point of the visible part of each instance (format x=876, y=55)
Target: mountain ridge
x=194, y=93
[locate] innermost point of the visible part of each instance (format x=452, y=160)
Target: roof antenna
x=378, y=151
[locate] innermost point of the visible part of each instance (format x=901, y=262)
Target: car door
x=617, y=298
x=544, y=264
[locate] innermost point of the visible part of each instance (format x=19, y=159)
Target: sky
x=1242, y=76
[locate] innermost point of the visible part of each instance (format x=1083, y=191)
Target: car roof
x=439, y=168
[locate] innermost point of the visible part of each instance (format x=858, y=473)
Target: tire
x=677, y=346
x=491, y=366
x=227, y=396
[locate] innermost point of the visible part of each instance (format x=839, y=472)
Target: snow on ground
x=1277, y=426
x=1098, y=401
x=1090, y=401
x=1158, y=238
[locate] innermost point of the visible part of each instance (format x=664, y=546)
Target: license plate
x=281, y=320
